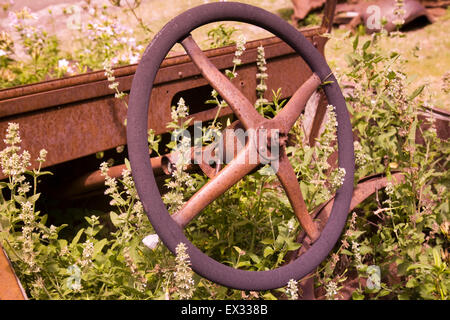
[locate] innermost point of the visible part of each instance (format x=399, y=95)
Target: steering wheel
x=170, y=228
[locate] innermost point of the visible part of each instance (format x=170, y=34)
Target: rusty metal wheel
x=168, y=227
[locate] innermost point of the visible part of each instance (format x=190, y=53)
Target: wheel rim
x=170, y=232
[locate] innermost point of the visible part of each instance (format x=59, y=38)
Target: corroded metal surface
x=303, y=7
x=78, y=116
x=10, y=287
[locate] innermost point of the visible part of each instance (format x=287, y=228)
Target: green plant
x=404, y=230
x=221, y=36
x=40, y=52
x=36, y=55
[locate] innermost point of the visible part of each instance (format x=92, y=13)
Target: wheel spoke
x=290, y=113
x=289, y=181
x=245, y=161
x=240, y=105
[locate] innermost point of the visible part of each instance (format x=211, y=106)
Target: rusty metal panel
x=78, y=116
x=10, y=287
x=72, y=131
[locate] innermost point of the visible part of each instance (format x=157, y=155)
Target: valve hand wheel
x=170, y=228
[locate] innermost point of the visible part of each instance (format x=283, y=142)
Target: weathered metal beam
x=78, y=116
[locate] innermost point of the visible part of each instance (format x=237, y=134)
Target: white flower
x=337, y=177
x=113, y=85
x=134, y=58
x=151, y=241
x=104, y=169
x=63, y=64
x=183, y=275
x=42, y=155
x=2, y=52
x=331, y=290
x=292, y=290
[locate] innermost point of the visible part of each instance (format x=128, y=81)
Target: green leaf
x=437, y=257
x=52, y=267
x=267, y=241
x=98, y=247
x=412, y=132
x=419, y=266
x=355, y=42
x=244, y=264
x=127, y=164
x=416, y=92
x=366, y=45
x=116, y=221
x=357, y=296
x=43, y=173
x=291, y=246
x=403, y=296
x=365, y=249
x=34, y=198
x=44, y=219
x=77, y=238
x=239, y=250
x=308, y=155
x=269, y=296
x=346, y=252
x=391, y=75
x=254, y=257
x=383, y=293
x=4, y=224
x=412, y=283
x=268, y=251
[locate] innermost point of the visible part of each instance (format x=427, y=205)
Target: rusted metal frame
x=63, y=130
x=10, y=286
x=240, y=105
x=293, y=109
x=241, y=165
x=365, y=188
x=162, y=97
x=71, y=132
x=161, y=165
x=327, y=20
x=95, y=180
x=299, y=98
x=211, y=113
x=92, y=85
x=251, y=119
x=288, y=180
x=318, y=119
x=328, y=15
